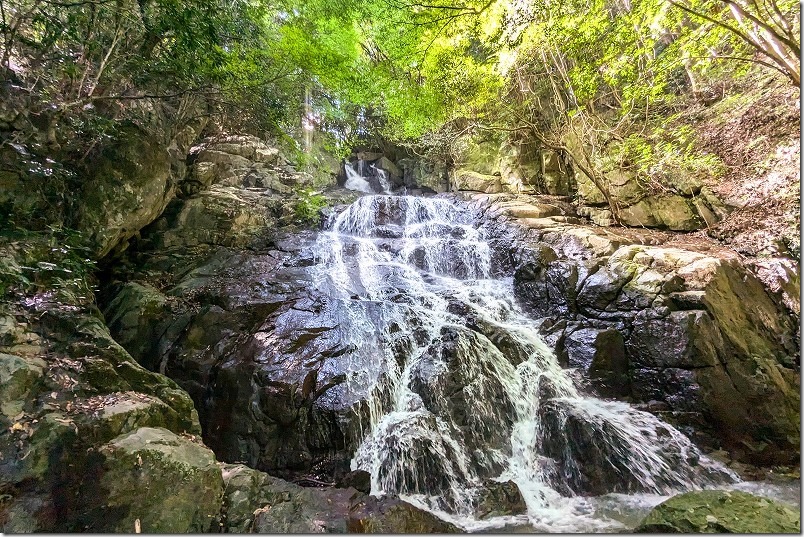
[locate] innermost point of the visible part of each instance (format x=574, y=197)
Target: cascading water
x=458, y=389
x=356, y=179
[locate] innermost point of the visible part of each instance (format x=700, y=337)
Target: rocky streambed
x=217, y=361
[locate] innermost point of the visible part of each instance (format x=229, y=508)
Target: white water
x=356, y=179
x=461, y=390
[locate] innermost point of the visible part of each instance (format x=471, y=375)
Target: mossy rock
x=131, y=185
x=158, y=480
x=471, y=180
x=672, y=212
x=391, y=515
x=481, y=157
x=131, y=314
x=19, y=377
x=247, y=490
x=720, y=511
x=255, y=502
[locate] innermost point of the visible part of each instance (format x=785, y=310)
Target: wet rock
x=584, y=462
x=385, y=164
x=390, y=515
x=587, y=453
x=461, y=383
x=500, y=499
x=601, y=355
x=688, y=339
x=257, y=350
x=258, y=503
x=718, y=511
x=600, y=289
x=694, y=325
x=358, y=480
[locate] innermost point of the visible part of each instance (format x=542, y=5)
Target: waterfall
x=356, y=179
x=451, y=385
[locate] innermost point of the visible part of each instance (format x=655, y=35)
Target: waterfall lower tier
x=454, y=389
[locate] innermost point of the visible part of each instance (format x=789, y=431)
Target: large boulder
x=241, y=162
x=472, y=180
x=719, y=511
x=132, y=185
x=155, y=481
x=390, y=515
x=671, y=212
x=245, y=491
x=500, y=498
x=132, y=182
x=258, y=503
x=222, y=215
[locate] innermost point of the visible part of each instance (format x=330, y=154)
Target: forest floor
x=755, y=131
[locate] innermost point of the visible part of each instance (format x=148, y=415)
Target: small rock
x=358, y=480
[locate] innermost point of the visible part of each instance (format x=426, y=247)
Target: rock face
x=524, y=167
x=133, y=181
x=673, y=212
x=688, y=329
x=717, y=511
x=519, y=167
x=224, y=303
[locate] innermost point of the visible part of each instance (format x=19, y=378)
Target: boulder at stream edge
x=720, y=511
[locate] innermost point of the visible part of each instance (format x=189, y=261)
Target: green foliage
x=308, y=206
x=666, y=154
x=417, y=74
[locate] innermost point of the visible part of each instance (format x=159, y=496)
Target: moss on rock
x=166, y=482
x=719, y=511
